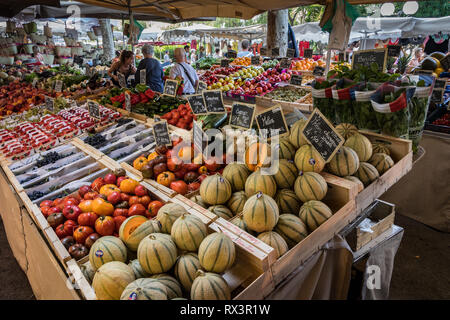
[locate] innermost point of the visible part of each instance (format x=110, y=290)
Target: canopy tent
x=189, y=9
x=366, y=28
x=237, y=33
x=10, y=8
x=184, y=32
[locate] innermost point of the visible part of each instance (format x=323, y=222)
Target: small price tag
x=231, y=54
x=197, y=104
x=214, y=101
x=170, y=87
x=271, y=120
x=255, y=60
x=127, y=102
x=296, y=79
x=143, y=76
x=58, y=85
x=224, y=63
x=263, y=51
x=201, y=87
x=290, y=53
x=285, y=63
x=49, y=103
x=161, y=133
x=275, y=52
x=242, y=115
x=308, y=53
x=318, y=71
x=122, y=81
x=94, y=109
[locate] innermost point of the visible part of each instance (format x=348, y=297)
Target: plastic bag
x=391, y=105
x=418, y=108
x=343, y=94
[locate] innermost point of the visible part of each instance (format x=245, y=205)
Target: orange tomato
x=107, y=189
x=86, y=205
x=128, y=185
x=140, y=162
x=102, y=207
x=165, y=178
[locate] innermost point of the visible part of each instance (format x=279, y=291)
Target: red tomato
x=63, y=231
x=118, y=221
x=154, y=207
x=136, y=210
x=120, y=212
x=105, y=225
x=179, y=186
x=87, y=219
x=81, y=233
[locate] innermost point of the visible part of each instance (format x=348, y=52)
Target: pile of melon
x=169, y=257
x=282, y=208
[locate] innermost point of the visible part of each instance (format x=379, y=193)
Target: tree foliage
x=304, y=14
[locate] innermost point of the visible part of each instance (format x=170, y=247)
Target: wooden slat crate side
x=28, y=204
x=258, y=289
x=138, y=116
x=12, y=178
x=340, y=191
x=86, y=148
x=313, y=242
x=60, y=251
x=132, y=170
x=399, y=148
x=79, y=281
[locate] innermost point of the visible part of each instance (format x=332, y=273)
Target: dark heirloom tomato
x=78, y=251
x=91, y=239
x=55, y=219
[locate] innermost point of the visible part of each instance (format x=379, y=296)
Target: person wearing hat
x=153, y=69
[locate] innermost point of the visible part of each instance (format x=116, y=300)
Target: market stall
x=129, y=182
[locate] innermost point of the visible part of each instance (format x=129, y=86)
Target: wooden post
x=277, y=30
x=107, y=38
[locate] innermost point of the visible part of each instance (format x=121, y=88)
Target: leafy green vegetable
x=394, y=123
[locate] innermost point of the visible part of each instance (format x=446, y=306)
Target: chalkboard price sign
x=308, y=53
x=272, y=119
x=143, y=76
x=437, y=95
x=58, y=85
x=320, y=133
x=231, y=54
x=197, y=104
x=365, y=58
x=94, y=109
x=255, y=60
x=49, y=103
x=275, y=52
x=214, y=101
x=201, y=87
x=127, y=102
x=440, y=84
x=296, y=79
x=445, y=62
x=122, y=81
x=394, y=50
x=170, y=87
x=161, y=133
x=263, y=51
x=318, y=71
x=224, y=63
x=285, y=63
x=242, y=115
x=290, y=53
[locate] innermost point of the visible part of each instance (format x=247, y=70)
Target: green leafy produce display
x=325, y=105
x=418, y=108
x=289, y=94
x=362, y=74
x=344, y=107
x=366, y=117
x=160, y=105
x=270, y=64
x=205, y=63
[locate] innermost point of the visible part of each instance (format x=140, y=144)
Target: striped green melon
x=313, y=213
x=209, y=286
x=88, y=271
x=346, y=130
x=137, y=269
x=240, y=223
x=260, y=213
x=367, y=173
x=307, y=159
x=131, y=232
x=217, y=252
x=107, y=249
x=310, y=186
x=221, y=211
x=286, y=149
x=288, y=201
x=382, y=162
x=291, y=228
x=357, y=181
x=380, y=147
x=186, y=268
x=274, y=240
x=236, y=202
x=188, y=231
x=198, y=200
x=215, y=189
x=260, y=182
x=144, y=289
x=296, y=136
x=344, y=163
x=157, y=253
x=172, y=285
x=236, y=174
x=361, y=145
x=286, y=174
x=167, y=215
x=111, y=279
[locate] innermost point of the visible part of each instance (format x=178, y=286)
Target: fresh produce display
x=306, y=64
x=287, y=94
x=322, y=99
x=182, y=117
x=205, y=63
x=443, y=121
x=242, y=61
x=270, y=64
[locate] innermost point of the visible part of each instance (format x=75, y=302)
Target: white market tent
x=379, y=28
x=183, y=33
x=237, y=33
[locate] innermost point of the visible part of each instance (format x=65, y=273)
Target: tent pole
x=327, y=68
x=131, y=26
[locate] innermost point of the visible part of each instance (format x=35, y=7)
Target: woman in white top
x=193, y=56
x=185, y=71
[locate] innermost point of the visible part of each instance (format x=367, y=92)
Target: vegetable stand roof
x=10, y=8
x=190, y=9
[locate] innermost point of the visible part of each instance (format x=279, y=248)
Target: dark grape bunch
x=95, y=140
x=36, y=195
x=50, y=157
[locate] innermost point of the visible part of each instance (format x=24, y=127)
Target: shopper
x=187, y=51
x=185, y=71
x=416, y=59
x=217, y=54
x=244, y=53
x=201, y=54
x=153, y=68
x=167, y=57
x=193, y=56
x=124, y=65
x=37, y=55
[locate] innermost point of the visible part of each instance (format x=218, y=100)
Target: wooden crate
x=382, y=213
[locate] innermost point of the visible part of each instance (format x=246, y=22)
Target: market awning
x=10, y=8
x=245, y=32
x=189, y=9
x=184, y=32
